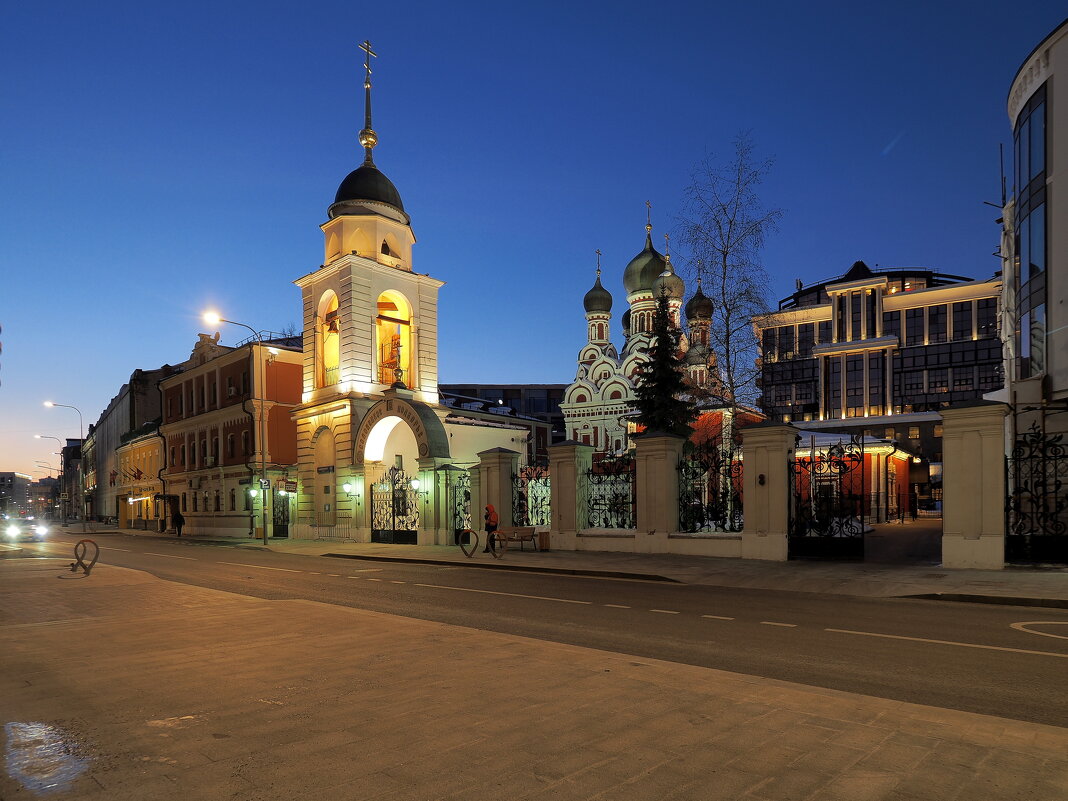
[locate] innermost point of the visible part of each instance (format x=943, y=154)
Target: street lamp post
x=81, y=461
x=213, y=319
x=59, y=472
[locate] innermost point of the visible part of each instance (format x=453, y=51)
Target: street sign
x=63, y=496
x=289, y=486
x=265, y=483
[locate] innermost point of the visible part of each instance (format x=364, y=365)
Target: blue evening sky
x=158, y=159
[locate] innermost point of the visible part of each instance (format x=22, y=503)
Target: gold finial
x=667, y=248
x=648, y=217
x=368, y=138
x=598, y=252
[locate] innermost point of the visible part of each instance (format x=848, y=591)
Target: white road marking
x=169, y=556
x=951, y=642
x=664, y=611
x=616, y=606
x=373, y=579
x=717, y=617
x=337, y=575
x=1023, y=627
x=106, y=548
x=508, y=594
x=397, y=582
x=315, y=574
x=784, y=625
x=260, y=567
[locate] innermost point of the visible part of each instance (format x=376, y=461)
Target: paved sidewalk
x=125, y=686
x=1030, y=586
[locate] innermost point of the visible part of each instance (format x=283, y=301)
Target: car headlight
x=42, y=530
x=12, y=531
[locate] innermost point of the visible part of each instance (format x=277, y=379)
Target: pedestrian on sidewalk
x=492, y=521
x=179, y=522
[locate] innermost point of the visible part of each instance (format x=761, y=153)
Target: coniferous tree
x=662, y=397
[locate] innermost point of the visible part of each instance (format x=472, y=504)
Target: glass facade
x=1029, y=151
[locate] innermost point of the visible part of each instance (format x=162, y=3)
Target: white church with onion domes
x=599, y=404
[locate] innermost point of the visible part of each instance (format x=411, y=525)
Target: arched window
x=385, y=249
x=196, y=502
x=218, y=501
x=193, y=453
x=327, y=341
x=247, y=500
x=393, y=339
x=185, y=508
x=230, y=445
x=244, y=443
x=233, y=501
x=615, y=395
x=580, y=398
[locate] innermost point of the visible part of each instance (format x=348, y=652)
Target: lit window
x=938, y=429
x=914, y=432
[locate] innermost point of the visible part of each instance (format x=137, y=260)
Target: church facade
x=379, y=457
x=599, y=404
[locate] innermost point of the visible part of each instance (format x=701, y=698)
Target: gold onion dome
x=669, y=283
x=645, y=267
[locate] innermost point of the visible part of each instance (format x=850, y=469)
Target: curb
x=1003, y=600
x=520, y=568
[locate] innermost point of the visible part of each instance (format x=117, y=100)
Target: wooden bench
x=522, y=535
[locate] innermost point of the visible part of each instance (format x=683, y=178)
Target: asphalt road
x=998, y=660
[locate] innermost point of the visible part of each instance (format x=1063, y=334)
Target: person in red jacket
x=492, y=521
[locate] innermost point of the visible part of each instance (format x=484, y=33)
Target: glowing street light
x=81, y=462
x=213, y=319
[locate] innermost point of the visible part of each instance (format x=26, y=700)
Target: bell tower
x=370, y=322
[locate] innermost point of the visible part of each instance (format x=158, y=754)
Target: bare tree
x=723, y=228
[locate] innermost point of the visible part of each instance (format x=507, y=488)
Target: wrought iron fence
x=1037, y=502
x=827, y=501
x=609, y=490
x=710, y=488
x=460, y=500
x=531, y=496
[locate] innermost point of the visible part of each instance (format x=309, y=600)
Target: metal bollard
x=80, y=549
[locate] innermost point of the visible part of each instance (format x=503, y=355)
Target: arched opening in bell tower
x=327, y=341
x=393, y=339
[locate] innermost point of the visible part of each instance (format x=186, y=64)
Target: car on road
x=13, y=529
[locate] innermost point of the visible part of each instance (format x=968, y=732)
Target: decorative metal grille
x=531, y=497
x=827, y=502
x=394, y=508
x=460, y=487
x=609, y=490
x=710, y=488
x=280, y=506
x=1037, y=503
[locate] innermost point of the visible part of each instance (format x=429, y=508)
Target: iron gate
x=280, y=513
x=710, y=488
x=394, y=508
x=460, y=503
x=826, y=501
x=610, y=493
x=1037, y=503
x=531, y=496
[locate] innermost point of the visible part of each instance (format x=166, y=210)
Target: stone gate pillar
x=495, y=470
x=766, y=451
x=656, y=473
x=973, y=485
x=434, y=512
x=568, y=461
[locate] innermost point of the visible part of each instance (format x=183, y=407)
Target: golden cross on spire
x=598, y=252
x=648, y=217
x=368, y=137
x=366, y=47
x=667, y=247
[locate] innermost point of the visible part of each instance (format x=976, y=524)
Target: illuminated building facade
x=226, y=424
x=1034, y=244
x=881, y=352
